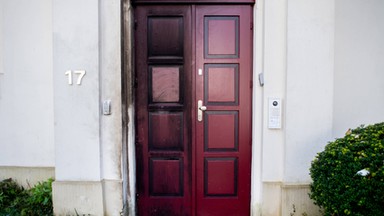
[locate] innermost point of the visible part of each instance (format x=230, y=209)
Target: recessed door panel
x=165, y=131
x=165, y=84
x=166, y=177
x=221, y=84
x=221, y=36
x=221, y=131
x=220, y=177
x=165, y=36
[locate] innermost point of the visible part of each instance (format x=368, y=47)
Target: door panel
x=163, y=115
x=223, y=139
x=183, y=54
x=221, y=36
x=221, y=84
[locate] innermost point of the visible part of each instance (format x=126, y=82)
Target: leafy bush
x=15, y=200
x=11, y=197
x=348, y=176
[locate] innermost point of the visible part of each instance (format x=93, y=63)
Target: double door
x=193, y=92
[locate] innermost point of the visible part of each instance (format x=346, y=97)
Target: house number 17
x=80, y=74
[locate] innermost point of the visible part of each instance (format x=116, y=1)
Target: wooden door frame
x=128, y=125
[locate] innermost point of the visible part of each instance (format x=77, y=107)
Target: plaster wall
x=26, y=89
x=110, y=82
x=274, y=71
x=294, y=49
x=297, y=62
x=309, y=92
x=27, y=176
x=359, y=65
x=78, y=198
x=87, y=36
x=111, y=126
x=257, y=104
x=76, y=107
x=295, y=201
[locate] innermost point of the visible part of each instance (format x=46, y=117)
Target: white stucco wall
x=257, y=115
x=294, y=49
x=359, y=64
x=297, y=62
x=274, y=70
x=88, y=144
x=309, y=92
x=87, y=36
x=76, y=107
x=26, y=89
x=110, y=70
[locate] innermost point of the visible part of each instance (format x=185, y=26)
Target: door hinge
x=251, y=84
x=251, y=26
x=135, y=25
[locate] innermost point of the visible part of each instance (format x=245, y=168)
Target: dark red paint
x=186, y=167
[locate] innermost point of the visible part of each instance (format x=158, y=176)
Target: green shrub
x=338, y=186
x=15, y=200
x=11, y=197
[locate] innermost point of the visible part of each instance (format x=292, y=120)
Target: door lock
x=200, y=109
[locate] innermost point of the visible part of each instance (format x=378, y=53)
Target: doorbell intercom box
x=274, y=113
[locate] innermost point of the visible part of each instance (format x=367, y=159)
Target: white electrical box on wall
x=107, y=107
x=274, y=113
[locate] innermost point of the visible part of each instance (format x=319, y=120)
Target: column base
x=77, y=198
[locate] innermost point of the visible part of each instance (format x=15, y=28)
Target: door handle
x=200, y=109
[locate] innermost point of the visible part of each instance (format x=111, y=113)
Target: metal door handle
x=200, y=109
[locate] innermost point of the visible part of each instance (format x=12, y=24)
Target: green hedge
x=338, y=187
x=15, y=200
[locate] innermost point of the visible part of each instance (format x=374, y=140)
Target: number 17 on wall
x=80, y=74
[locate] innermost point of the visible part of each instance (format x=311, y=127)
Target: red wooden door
x=223, y=136
x=192, y=161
